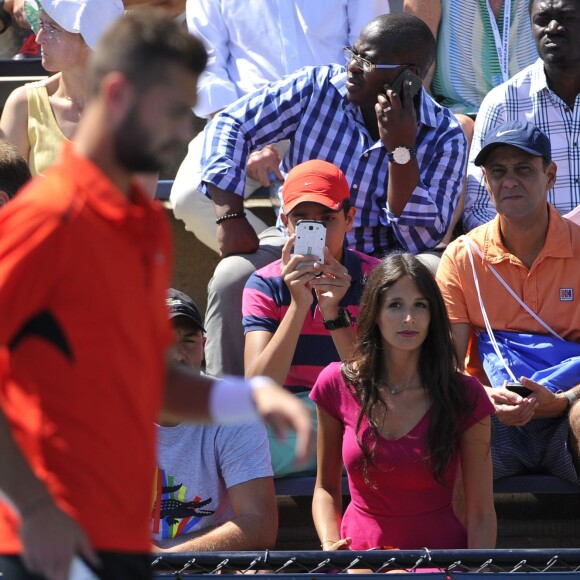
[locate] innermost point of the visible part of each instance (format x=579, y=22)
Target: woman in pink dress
x=402, y=420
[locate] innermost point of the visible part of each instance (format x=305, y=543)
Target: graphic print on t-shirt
x=172, y=515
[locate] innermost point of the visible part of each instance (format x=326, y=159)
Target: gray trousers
x=224, y=349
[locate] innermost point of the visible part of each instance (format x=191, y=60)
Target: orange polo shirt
x=551, y=288
x=83, y=276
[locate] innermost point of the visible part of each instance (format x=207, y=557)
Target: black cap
x=181, y=304
x=520, y=134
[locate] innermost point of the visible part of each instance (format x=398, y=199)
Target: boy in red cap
x=299, y=316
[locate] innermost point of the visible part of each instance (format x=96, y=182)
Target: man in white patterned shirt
x=544, y=94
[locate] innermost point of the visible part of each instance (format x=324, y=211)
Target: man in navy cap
x=188, y=327
x=509, y=286
x=213, y=484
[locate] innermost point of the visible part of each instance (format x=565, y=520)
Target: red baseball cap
x=317, y=181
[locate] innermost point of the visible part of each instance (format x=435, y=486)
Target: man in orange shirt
x=536, y=253
x=84, y=266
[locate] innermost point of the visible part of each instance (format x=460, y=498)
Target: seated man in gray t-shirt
x=213, y=484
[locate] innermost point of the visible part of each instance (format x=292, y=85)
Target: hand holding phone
x=310, y=240
x=396, y=112
x=517, y=388
x=406, y=76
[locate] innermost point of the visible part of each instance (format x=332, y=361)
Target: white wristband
x=231, y=400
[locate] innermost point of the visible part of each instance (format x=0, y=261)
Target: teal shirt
x=468, y=66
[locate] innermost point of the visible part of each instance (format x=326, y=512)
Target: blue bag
x=552, y=362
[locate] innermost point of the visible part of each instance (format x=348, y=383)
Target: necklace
x=395, y=391
x=398, y=390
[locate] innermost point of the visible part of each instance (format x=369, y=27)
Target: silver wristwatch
x=402, y=155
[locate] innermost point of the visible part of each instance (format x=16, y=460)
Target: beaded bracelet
x=230, y=216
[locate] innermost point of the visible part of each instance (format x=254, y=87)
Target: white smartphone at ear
x=310, y=239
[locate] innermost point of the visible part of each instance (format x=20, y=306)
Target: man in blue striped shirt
x=403, y=157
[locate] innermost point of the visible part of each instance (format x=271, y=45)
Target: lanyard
x=502, y=42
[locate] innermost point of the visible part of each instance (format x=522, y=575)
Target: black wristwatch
x=343, y=320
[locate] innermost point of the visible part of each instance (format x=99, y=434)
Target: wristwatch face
x=401, y=155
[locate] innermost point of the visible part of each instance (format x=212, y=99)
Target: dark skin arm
x=234, y=236
x=397, y=126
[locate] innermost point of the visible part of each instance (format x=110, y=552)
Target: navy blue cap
x=520, y=134
x=180, y=304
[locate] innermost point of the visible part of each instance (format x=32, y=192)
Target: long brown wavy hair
x=437, y=363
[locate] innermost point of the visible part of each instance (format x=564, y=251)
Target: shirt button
x=366, y=155
x=355, y=186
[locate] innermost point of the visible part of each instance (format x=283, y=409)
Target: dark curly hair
x=437, y=363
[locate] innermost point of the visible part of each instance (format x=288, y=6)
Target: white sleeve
x=361, y=12
x=215, y=89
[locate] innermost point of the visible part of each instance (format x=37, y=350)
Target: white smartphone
x=310, y=239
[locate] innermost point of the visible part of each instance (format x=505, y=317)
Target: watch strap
x=572, y=396
x=342, y=321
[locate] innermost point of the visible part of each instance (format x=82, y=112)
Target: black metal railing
x=435, y=564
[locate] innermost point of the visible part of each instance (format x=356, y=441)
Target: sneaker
x=29, y=49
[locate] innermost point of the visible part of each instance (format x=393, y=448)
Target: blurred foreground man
x=84, y=267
